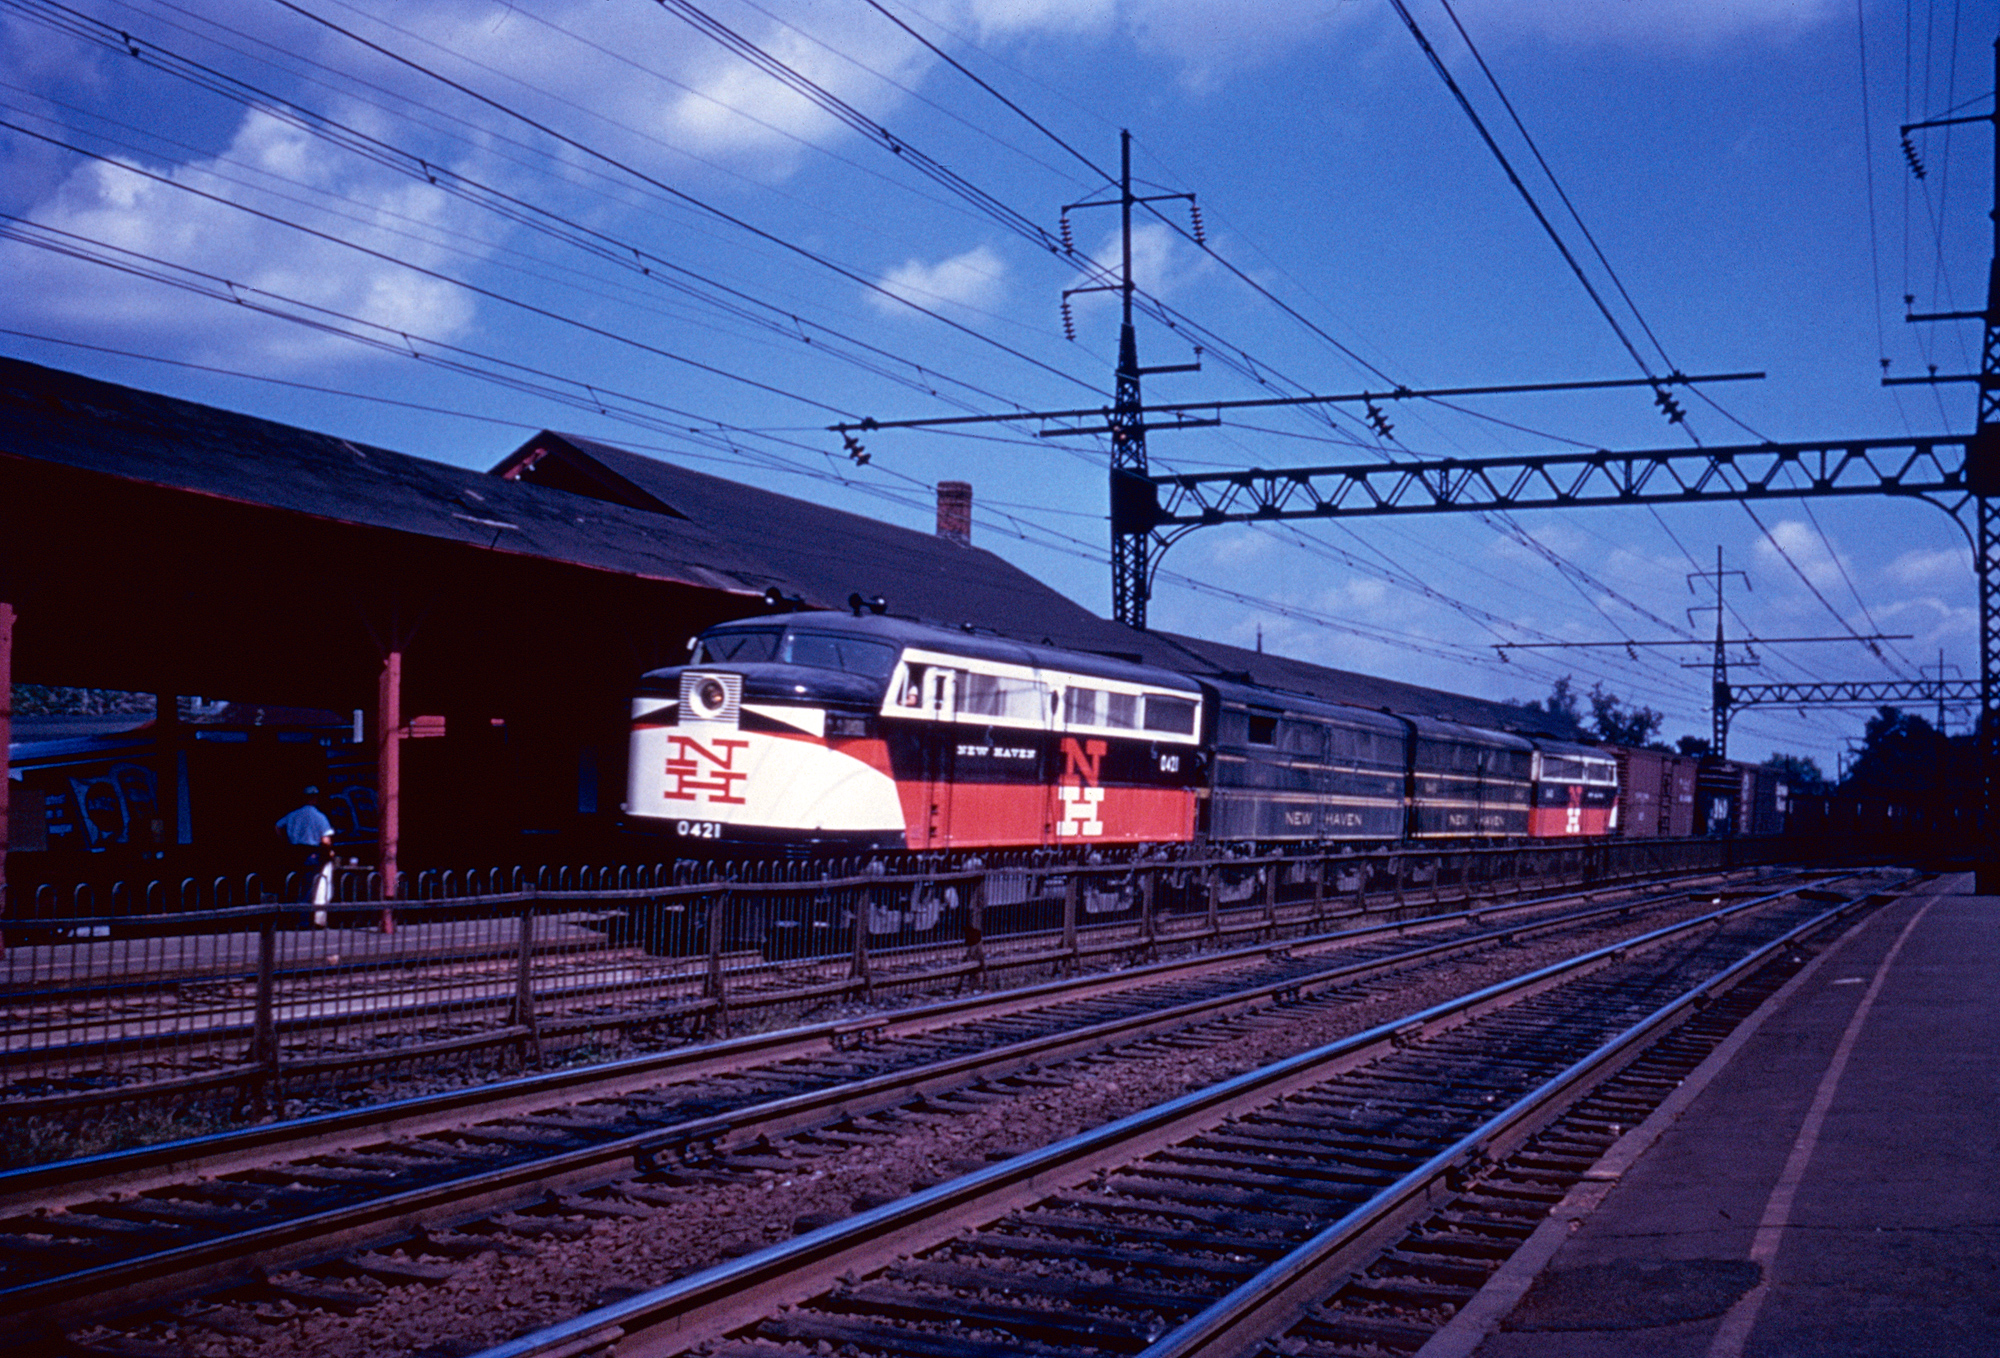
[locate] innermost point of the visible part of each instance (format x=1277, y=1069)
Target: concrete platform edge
x=1503, y=1291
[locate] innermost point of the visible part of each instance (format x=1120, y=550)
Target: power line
x=662, y=187
x=622, y=254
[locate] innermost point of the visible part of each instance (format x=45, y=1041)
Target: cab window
x=824, y=651
x=744, y=647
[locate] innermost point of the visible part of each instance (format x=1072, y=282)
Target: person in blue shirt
x=309, y=832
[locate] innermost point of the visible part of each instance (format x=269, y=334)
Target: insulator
x=1200, y=236
x=1910, y=154
x=1069, y=321
x=1068, y=241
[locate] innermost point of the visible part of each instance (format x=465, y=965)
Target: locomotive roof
x=1572, y=749
x=978, y=645
x=1273, y=700
x=1433, y=729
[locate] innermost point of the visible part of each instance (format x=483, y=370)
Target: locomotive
x=821, y=732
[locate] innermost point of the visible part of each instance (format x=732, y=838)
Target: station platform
x=1828, y=1183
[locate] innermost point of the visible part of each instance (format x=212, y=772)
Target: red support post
x=6, y=734
x=388, y=775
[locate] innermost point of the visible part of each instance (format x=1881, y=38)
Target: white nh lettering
x=1080, y=811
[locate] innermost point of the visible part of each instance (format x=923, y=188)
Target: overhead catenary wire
x=623, y=254
x=1445, y=578
x=661, y=186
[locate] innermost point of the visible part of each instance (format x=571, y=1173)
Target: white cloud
x=118, y=205
x=1006, y=18
x=1792, y=542
x=1213, y=39
x=973, y=279
x=1558, y=537
x=1942, y=566
x=1162, y=264
x=1934, y=622
x=639, y=82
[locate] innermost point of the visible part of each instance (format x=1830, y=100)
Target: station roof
x=827, y=554
x=155, y=542
x=54, y=417
x=818, y=554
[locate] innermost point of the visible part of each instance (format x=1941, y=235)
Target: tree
x=1694, y=747
x=1801, y=773
x=1618, y=724
x=1904, y=758
x=1610, y=719
x=1561, y=711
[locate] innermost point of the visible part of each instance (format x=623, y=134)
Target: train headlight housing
x=711, y=698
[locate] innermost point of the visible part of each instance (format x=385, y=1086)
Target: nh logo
x=1079, y=788
x=692, y=760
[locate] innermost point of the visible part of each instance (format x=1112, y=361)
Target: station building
x=455, y=647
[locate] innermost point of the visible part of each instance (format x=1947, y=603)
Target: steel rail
x=220, y=1153
x=1273, y=1299
x=204, y=1265
x=670, y=1319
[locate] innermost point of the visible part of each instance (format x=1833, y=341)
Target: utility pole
x=1131, y=581
x=1719, y=666
x=1982, y=478
x=1131, y=549
x=1942, y=685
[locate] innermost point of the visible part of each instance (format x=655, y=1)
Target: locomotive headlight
x=711, y=697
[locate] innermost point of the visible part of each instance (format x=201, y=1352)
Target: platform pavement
x=1827, y=1184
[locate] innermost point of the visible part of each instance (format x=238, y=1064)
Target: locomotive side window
x=1175, y=715
x=824, y=652
x=742, y=647
x=1263, y=731
x=999, y=695
x=1080, y=706
x=1303, y=740
x=1367, y=748
x=1121, y=710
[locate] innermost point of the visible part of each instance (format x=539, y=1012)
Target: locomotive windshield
x=746, y=647
x=824, y=651
x=819, y=650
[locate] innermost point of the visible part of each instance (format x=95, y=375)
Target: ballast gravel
x=528, y=1283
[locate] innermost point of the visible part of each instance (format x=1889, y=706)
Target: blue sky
x=616, y=209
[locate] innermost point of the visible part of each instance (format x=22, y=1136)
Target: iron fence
x=266, y=1000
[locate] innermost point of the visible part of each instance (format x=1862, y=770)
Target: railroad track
x=63, y=1026
x=1202, y=1225
x=161, y=1223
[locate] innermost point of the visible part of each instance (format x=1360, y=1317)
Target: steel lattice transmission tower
x=1131, y=547
x=1982, y=475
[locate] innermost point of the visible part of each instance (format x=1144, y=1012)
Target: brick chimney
x=955, y=511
